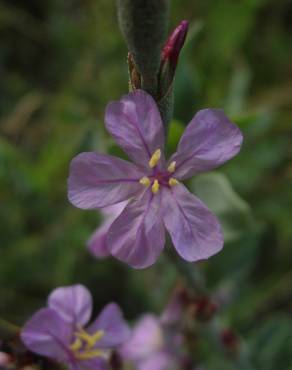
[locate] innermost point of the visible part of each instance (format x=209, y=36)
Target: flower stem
x=188, y=272
x=195, y=282
x=143, y=25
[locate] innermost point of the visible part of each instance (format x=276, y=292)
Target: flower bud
x=230, y=341
x=169, y=58
x=205, y=309
x=174, y=44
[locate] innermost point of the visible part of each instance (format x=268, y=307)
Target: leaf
x=215, y=190
x=271, y=344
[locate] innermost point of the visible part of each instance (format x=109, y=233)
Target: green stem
x=194, y=280
x=188, y=272
x=143, y=24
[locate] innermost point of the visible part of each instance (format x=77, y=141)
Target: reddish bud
x=174, y=44
x=205, y=309
x=230, y=340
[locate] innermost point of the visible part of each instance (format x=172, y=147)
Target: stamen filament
x=90, y=340
x=76, y=345
x=155, y=187
x=155, y=158
x=87, y=355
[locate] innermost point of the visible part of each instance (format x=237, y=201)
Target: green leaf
x=215, y=190
x=271, y=344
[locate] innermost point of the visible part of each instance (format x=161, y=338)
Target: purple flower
x=60, y=332
x=158, y=200
x=97, y=244
x=147, y=347
x=156, y=342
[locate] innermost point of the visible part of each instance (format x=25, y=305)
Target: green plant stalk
x=143, y=25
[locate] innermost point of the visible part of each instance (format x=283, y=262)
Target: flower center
x=83, y=344
x=159, y=178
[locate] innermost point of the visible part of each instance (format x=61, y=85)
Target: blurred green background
x=60, y=63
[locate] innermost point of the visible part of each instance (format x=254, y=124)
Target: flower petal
x=111, y=321
x=93, y=364
x=47, y=334
x=137, y=236
x=135, y=123
x=159, y=361
x=209, y=140
x=146, y=339
x=194, y=230
x=97, y=244
x=72, y=303
x=99, y=180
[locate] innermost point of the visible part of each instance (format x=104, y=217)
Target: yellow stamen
x=87, y=355
x=172, y=181
x=171, y=167
x=90, y=340
x=75, y=346
x=155, y=158
x=155, y=187
x=145, y=181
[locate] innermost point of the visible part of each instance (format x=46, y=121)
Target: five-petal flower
x=59, y=331
x=158, y=200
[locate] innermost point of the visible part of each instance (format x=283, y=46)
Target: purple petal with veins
x=209, y=140
x=135, y=124
x=194, y=230
x=73, y=303
x=98, y=180
x=137, y=235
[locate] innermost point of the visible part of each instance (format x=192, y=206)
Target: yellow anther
x=90, y=340
x=172, y=181
x=87, y=355
x=76, y=345
x=171, y=167
x=155, y=158
x=98, y=335
x=155, y=187
x=145, y=181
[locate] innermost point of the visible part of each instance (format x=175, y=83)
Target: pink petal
x=146, y=339
x=111, y=321
x=209, y=140
x=137, y=236
x=194, y=230
x=93, y=364
x=97, y=244
x=99, y=180
x=73, y=303
x=47, y=334
x=159, y=361
x=135, y=123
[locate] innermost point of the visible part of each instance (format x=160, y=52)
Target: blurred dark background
x=60, y=63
